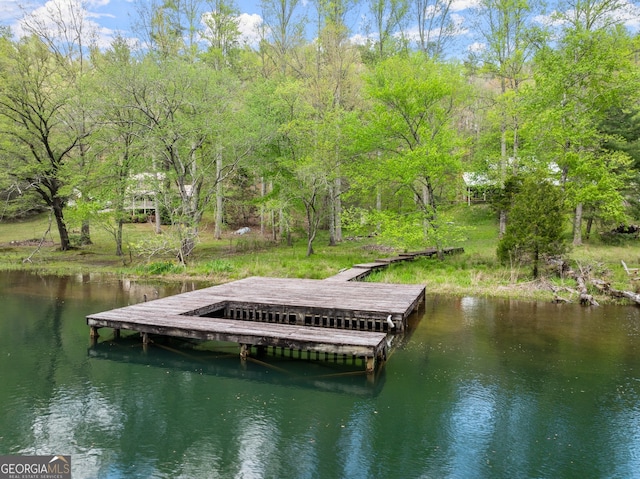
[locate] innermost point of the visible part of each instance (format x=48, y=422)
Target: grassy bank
x=476, y=272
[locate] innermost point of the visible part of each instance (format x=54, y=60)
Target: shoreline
x=527, y=290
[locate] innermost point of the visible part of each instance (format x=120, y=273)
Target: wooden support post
x=93, y=333
x=145, y=341
x=116, y=334
x=244, y=351
x=371, y=364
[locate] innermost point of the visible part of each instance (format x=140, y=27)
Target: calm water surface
x=477, y=389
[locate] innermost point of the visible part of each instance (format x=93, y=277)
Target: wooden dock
x=360, y=271
x=309, y=315
x=338, y=315
x=371, y=346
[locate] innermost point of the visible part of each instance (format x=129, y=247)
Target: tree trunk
x=312, y=228
x=503, y=223
x=332, y=216
x=65, y=244
x=503, y=161
x=119, y=238
x=187, y=246
x=378, y=206
x=263, y=217
x=425, y=202
x=281, y=226
x=313, y=220
x=158, y=215
x=338, y=209
x=217, y=234
x=85, y=233
x=577, y=226
x=272, y=221
x=589, y=226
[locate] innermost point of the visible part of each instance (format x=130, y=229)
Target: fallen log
x=631, y=272
x=606, y=288
x=556, y=292
x=585, y=298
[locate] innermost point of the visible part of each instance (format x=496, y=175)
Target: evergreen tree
x=535, y=224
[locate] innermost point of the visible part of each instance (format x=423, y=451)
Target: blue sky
x=109, y=17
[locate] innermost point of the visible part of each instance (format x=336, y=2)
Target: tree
x=415, y=105
x=335, y=91
x=39, y=121
x=197, y=129
x=118, y=141
x=535, y=224
x=389, y=17
x=68, y=32
x=221, y=34
x=436, y=27
x=300, y=164
x=169, y=28
x=284, y=31
x=504, y=27
x=576, y=86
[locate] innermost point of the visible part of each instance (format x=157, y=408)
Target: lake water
x=477, y=389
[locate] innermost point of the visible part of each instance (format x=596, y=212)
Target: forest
x=316, y=129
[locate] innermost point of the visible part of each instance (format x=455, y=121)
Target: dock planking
x=372, y=346
x=338, y=315
x=347, y=318
x=351, y=274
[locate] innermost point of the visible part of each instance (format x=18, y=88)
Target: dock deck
x=338, y=315
x=349, y=318
x=353, y=343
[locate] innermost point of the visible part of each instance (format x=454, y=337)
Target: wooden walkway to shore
x=360, y=271
x=337, y=315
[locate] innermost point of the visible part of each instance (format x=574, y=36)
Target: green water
x=477, y=389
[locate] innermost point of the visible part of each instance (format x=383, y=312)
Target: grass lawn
x=475, y=272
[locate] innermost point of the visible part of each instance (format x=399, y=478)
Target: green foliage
x=578, y=83
x=294, y=132
x=405, y=231
x=501, y=199
x=160, y=268
x=417, y=149
x=218, y=266
x=622, y=129
x=535, y=226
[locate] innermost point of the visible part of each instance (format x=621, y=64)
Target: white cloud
x=476, y=47
x=631, y=16
x=628, y=14
x=97, y=3
x=249, y=26
x=359, y=39
x=54, y=16
x=461, y=5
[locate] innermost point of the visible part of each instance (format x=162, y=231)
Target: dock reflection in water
x=339, y=375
